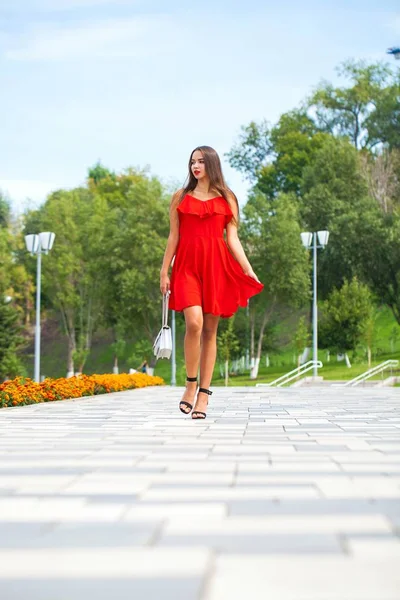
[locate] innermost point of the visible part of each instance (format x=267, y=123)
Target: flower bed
x=18, y=392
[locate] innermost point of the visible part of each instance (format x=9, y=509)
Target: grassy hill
x=387, y=345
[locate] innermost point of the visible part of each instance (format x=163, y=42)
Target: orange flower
x=25, y=391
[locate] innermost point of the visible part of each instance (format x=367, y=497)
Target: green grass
x=53, y=359
x=283, y=362
x=333, y=371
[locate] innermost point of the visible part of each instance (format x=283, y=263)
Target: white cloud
x=105, y=39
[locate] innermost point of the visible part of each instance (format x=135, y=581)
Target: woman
x=207, y=282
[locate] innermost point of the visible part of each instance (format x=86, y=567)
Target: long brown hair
x=213, y=170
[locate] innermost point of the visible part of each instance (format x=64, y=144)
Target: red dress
x=204, y=272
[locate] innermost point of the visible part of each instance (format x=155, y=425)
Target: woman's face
x=197, y=165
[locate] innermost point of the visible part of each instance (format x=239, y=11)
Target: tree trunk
x=70, y=360
x=115, y=367
x=369, y=356
x=256, y=366
x=267, y=314
x=226, y=372
x=252, y=322
x=348, y=363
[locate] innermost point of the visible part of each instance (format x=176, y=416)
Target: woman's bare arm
x=172, y=242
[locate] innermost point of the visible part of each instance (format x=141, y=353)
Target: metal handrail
x=370, y=373
x=292, y=374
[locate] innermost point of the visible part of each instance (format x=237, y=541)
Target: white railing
x=388, y=364
x=292, y=374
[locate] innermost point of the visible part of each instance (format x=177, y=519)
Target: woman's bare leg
x=194, y=325
x=207, y=357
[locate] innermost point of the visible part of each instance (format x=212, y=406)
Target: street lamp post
x=173, y=362
x=310, y=241
x=39, y=244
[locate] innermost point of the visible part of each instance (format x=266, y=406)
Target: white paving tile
x=98, y=562
x=284, y=524
x=293, y=577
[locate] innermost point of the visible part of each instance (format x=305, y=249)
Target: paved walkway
x=282, y=495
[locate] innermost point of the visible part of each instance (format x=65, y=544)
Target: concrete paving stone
x=256, y=544
x=242, y=449
x=157, y=510
x=35, y=471
x=388, y=506
x=213, y=467
x=87, y=563
x=372, y=469
x=324, y=506
x=22, y=535
x=7, y=491
x=340, y=488
x=286, y=524
x=322, y=448
x=98, y=535
x=284, y=479
x=376, y=546
x=366, y=457
x=303, y=467
x=98, y=498
x=57, y=509
x=167, y=588
x=268, y=482
x=228, y=493
x=312, y=577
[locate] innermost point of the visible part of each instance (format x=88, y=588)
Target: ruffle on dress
x=205, y=208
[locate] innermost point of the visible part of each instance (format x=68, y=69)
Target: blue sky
x=142, y=82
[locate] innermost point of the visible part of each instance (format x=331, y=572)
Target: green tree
x=335, y=197
x=393, y=337
x=5, y=211
x=273, y=159
x=345, y=316
x=295, y=140
x=99, y=172
x=15, y=282
x=369, y=336
x=228, y=346
x=383, y=123
x=332, y=185
x=271, y=236
x=361, y=111
x=381, y=171
x=301, y=338
x=11, y=341
x=252, y=150
x=136, y=232
x=72, y=280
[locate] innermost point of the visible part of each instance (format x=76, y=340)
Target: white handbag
x=162, y=346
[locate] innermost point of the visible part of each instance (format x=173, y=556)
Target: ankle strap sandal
x=198, y=414
x=185, y=406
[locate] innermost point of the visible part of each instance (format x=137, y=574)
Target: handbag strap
x=165, y=309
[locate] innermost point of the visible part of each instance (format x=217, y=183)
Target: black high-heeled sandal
x=184, y=403
x=202, y=415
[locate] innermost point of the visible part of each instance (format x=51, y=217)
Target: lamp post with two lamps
x=39, y=244
x=310, y=242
